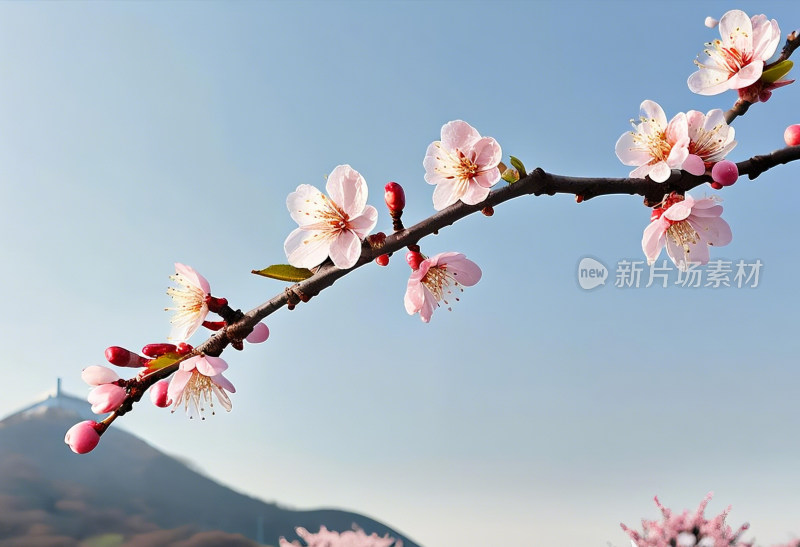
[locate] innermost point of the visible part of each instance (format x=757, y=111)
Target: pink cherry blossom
x=195, y=383
x=737, y=60
x=463, y=165
x=687, y=227
x=710, y=140
x=655, y=146
x=688, y=530
x=82, y=437
x=330, y=226
x=191, y=307
x=349, y=538
x=437, y=278
x=106, y=398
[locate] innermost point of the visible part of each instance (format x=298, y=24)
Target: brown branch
x=536, y=183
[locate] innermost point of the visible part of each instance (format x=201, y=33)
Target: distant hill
x=129, y=495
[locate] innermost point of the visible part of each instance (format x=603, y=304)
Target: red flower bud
x=157, y=350
x=158, y=394
x=382, y=260
x=122, y=357
x=184, y=348
x=395, y=197
x=414, y=259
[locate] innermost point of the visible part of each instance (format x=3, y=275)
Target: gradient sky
x=135, y=135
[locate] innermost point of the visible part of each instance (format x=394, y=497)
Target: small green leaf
x=778, y=71
x=284, y=272
x=519, y=166
x=164, y=361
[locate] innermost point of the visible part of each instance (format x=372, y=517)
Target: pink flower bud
x=414, y=259
x=158, y=394
x=259, y=334
x=106, y=398
x=792, y=135
x=157, y=350
x=122, y=357
x=83, y=437
x=725, y=172
x=711, y=22
x=395, y=197
x=97, y=375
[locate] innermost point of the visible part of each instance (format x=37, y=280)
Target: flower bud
x=122, y=357
x=97, y=375
x=159, y=394
x=106, y=398
x=725, y=172
x=395, y=197
x=414, y=259
x=792, y=135
x=259, y=334
x=184, y=348
x=83, y=437
x=157, y=350
x=711, y=22
x=382, y=260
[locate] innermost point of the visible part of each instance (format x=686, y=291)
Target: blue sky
x=134, y=135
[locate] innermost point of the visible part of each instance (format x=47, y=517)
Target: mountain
x=130, y=495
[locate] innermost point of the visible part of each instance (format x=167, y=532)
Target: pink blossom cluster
x=691, y=529
x=688, y=529
x=692, y=141
x=350, y=538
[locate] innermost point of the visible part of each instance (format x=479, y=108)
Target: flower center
x=189, y=299
x=708, y=144
x=682, y=234
x=198, y=392
x=727, y=58
x=467, y=167
x=441, y=283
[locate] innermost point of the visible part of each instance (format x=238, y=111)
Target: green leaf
x=777, y=71
x=519, y=166
x=164, y=361
x=284, y=272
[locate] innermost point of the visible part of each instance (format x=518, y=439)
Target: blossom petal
x=475, y=194
x=303, y=203
x=193, y=277
x=363, y=224
x=414, y=296
x=348, y=189
x=177, y=383
x=653, y=112
x=629, y=152
x=448, y=192
x=459, y=134
x=345, y=250
x=306, y=249
x=694, y=164
x=653, y=239
x=660, y=172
